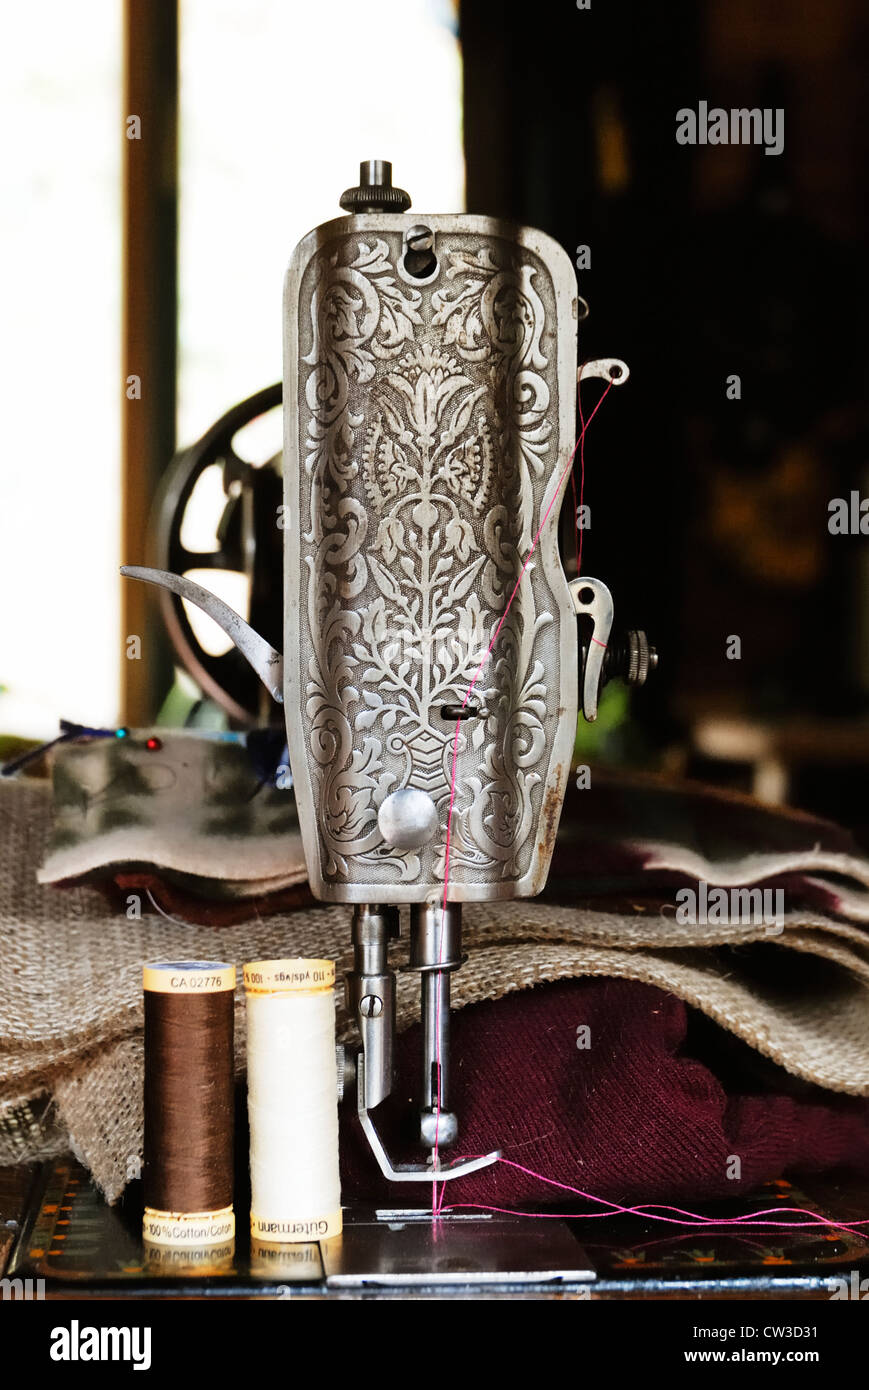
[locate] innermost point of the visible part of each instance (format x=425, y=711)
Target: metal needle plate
x=401, y=1248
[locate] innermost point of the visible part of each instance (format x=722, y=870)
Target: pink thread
x=580, y=530
x=648, y=1210
x=577, y=507
x=436, y=1205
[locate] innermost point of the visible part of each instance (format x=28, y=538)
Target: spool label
x=280, y=976
x=188, y=1228
x=294, y=1229
x=209, y=1258
x=281, y=1260
x=189, y=977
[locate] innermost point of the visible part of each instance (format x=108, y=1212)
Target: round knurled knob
x=643, y=655
x=374, y=192
x=630, y=657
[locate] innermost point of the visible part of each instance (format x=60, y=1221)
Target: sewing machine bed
x=55, y=1226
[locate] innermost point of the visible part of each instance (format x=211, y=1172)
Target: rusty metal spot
x=550, y=815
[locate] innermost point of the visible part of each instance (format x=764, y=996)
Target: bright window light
x=279, y=103
x=60, y=223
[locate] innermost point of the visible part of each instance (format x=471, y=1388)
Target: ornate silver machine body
x=428, y=422
x=430, y=378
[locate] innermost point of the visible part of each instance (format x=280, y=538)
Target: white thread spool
x=292, y=1085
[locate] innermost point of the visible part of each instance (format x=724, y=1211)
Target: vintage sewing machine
x=430, y=379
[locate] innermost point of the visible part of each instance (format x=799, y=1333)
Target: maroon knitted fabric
x=632, y=1117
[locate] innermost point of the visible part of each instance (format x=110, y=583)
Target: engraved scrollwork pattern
x=427, y=432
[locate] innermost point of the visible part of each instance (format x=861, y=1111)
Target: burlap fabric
x=71, y=1003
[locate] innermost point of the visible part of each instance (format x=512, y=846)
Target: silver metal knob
x=374, y=192
x=408, y=819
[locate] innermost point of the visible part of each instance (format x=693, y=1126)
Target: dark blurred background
x=709, y=515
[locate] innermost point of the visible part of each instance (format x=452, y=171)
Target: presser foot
x=433, y=1170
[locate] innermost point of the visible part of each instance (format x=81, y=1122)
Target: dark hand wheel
x=250, y=543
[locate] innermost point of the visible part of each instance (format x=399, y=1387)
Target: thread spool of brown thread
x=189, y=1102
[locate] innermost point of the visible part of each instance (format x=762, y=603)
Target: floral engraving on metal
x=426, y=431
